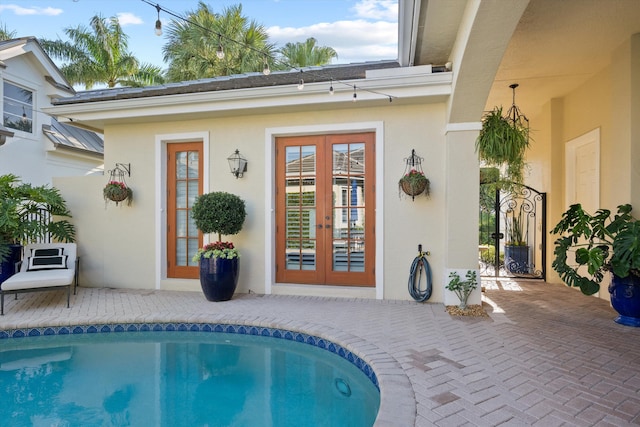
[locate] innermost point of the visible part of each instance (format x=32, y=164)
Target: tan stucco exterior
x=124, y=247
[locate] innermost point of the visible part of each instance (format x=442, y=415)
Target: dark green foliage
x=503, y=141
x=219, y=212
x=26, y=214
x=601, y=243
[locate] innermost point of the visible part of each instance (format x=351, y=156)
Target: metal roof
x=73, y=138
x=239, y=81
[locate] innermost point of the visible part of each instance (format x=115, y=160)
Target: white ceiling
x=557, y=45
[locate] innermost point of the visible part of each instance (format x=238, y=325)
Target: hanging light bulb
x=266, y=70
x=24, y=116
x=301, y=84
x=220, y=51
x=158, y=23
x=331, y=88
x=355, y=95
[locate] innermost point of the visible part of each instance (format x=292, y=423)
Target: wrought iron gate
x=513, y=229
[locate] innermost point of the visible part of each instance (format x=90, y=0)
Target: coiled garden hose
x=419, y=268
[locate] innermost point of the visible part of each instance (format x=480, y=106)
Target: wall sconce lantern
x=4, y=134
x=237, y=164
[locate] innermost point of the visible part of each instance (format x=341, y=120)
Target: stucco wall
x=31, y=156
x=117, y=244
x=604, y=102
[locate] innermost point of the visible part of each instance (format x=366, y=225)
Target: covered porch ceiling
x=555, y=47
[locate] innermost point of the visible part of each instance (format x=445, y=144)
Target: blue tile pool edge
x=300, y=337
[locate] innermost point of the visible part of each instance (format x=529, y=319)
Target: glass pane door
x=348, y=179
x=184, y=184
x=301, y=208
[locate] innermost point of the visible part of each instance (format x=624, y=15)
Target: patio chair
x=44, y=267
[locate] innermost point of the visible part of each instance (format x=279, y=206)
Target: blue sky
x=359, y=30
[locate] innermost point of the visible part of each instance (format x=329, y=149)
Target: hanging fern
x=503, y=141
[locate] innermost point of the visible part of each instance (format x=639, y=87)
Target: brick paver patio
x=546, y=356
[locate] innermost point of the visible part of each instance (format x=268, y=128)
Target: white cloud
x=354, y=41
x=127, y=18
x=386, y=10
x=33, y=10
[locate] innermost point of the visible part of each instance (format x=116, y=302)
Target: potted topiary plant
x=27, y=215
x=224, y=214
x=602, y=243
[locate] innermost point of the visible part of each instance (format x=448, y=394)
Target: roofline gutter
x=404, y=84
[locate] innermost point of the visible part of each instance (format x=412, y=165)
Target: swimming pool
x=182, y=374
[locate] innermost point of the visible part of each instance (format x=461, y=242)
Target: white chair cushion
x=38, y=279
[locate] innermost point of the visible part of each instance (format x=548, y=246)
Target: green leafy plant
x=515, y=228
x=222, y=213
x=117, y=192
x=29, y=214
x=462, y=288
x=414, y=183
x=503, y=141
x=601, y=243
x=224, y=250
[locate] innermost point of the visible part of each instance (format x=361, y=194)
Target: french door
x=325, y=214
x=184, y=184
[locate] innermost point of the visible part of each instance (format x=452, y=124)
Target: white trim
x=270, y=137
x=462, y=127
x=571, y=147
x=160, y=219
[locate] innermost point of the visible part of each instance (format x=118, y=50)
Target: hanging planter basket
x=117, y=189
x=117, y=192
x=414, y=182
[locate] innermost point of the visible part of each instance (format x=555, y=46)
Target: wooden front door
x=325, y=213
x=184, y=184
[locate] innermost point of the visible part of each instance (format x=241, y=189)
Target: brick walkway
x=546, y=356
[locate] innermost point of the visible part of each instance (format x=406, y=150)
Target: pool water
x=179, y=379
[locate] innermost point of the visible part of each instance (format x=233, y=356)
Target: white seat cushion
x=38, y=279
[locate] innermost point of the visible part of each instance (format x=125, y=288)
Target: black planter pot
x=219, y=277
x=516, y=259
x=7, y=267
x=625, y=299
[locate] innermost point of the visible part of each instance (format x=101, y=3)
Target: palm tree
x=192, y=49
x=306, y=54
x=100, y=55
x=5, y=34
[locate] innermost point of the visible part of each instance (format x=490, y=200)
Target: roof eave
x=405, y=84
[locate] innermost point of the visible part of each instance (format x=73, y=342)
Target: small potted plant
x=462, y=288
x=516, y=250
x=602, y=244
x=117, y=192
x=414, y=183
x=224, y=214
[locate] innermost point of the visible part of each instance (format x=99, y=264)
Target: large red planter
x=219, y=277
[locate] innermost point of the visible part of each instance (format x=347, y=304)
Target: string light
x=158, y=22
x=220, y=51
x=266, y=70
